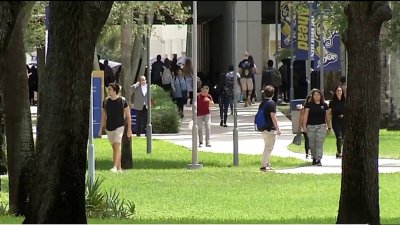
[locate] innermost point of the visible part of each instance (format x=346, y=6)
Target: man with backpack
x=266, y=122
x=272, y=76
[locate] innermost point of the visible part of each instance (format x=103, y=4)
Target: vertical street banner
x=304, y=35
x=285, y=25
x=98, y=97
x=331, y=47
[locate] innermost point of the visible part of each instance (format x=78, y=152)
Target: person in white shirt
x=140, y=104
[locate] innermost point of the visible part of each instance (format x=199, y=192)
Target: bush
x=164, y=113
x=106, y=205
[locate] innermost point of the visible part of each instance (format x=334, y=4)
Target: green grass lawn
x=164, y=191
x=389, y=144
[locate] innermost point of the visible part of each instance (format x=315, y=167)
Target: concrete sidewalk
x=251, y=142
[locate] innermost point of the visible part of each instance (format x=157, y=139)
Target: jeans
x=338, y=128
x=223, y=108
x=269, y=142
x=206, y=119
x=316, y=135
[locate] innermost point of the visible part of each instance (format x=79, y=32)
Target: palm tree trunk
x=394, y=118
x=126, y=57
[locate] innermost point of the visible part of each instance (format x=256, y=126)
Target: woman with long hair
x=188, y=74
x=336, y=106
x=314, y=124
x=179, y=90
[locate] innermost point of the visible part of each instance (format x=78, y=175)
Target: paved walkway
x=250, y=141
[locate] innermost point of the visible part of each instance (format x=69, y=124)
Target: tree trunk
x=3, y=158
x=9, y=12
x=41, y=67
x=359, y=197
x=137, y=50
x=58, y=194
x=20, y=149
x=96, y=65
x=385, y=106
x=394, y=118
x=144, y=55
x=126, y=82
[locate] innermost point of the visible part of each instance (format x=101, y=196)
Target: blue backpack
x=260, y=124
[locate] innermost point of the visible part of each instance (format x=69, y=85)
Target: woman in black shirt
x=337, y=109
x=314, y=124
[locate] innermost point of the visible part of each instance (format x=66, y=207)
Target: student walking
x=271, y=129
x=115, y=115
x=336, y=107
x=314, y=124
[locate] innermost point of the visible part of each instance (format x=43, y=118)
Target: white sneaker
x=114, y=170
x=120, y=171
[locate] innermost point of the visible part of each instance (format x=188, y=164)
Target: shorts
x=115, y=136
x=246, y=83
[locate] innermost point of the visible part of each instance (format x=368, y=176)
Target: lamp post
x=310, y=42
x=291, y=52
x=276, y=33
x=235, y=90
x=194, y=164
x=321, y=45
x=149, y=129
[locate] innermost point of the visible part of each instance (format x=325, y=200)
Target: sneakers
x=221, y=123
x=316, y=162
x=200, y=145
x=114, y=170
x=208, y=145
x=225, y=125
x=265, y=169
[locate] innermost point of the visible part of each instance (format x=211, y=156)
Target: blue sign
x=98, y=97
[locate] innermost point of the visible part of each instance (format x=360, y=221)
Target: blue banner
x=304, y=27
x=331, y=48
x=98, y=97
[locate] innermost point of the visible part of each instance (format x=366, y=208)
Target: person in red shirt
x=204, y=101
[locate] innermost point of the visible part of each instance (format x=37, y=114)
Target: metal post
x=291, y=52
x=149, y=127
x=235, y=89
x=276, y=33
x=194, y=164
x=321, y=45
x=308, y=68
x=91, y=162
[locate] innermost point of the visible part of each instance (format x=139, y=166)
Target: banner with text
x=304, y=31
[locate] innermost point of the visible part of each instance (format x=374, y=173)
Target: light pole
x=149, y=129
x=91, y=162
x=235, y=90
x=276, y=33
x=291, y=53
x=321, y=46
x=194, y=164
x=310, y=40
